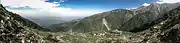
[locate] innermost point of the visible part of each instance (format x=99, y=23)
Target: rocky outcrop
x=163, y=30
x=15, y=29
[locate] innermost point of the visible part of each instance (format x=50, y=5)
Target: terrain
x=16, y=29
x=157, y=23
x=118, y=19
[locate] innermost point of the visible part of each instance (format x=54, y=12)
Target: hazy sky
x=72, y=7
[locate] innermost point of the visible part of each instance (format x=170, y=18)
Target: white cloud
x=30, y=3
x=57, y=12
x=145, y=4
x=73, y=12
x=43, y=8
x=168, y=1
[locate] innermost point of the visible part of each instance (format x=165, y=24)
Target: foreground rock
x=15, y=29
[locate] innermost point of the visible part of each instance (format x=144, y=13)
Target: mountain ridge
x=154, y=27
x=120, y=18
x=16, y=29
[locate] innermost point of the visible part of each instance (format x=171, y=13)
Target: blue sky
x=73, y=7
x=102, y=4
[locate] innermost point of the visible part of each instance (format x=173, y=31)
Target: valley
x=156, y=23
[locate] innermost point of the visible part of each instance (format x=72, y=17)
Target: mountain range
x=156, y=23
x=120, y=19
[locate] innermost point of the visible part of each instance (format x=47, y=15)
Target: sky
x=82, y=8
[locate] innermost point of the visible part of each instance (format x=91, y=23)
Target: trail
x=105, y=23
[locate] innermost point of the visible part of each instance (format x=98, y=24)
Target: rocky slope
x=15, y=29
x=146, y=15
x=121, y=19
x=94, y=23
x=164, y=29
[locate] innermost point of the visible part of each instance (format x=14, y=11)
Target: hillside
x=121, y=19
x=15, y=29
x=164, y=28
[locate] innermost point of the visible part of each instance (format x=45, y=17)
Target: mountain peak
x=121, y=18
